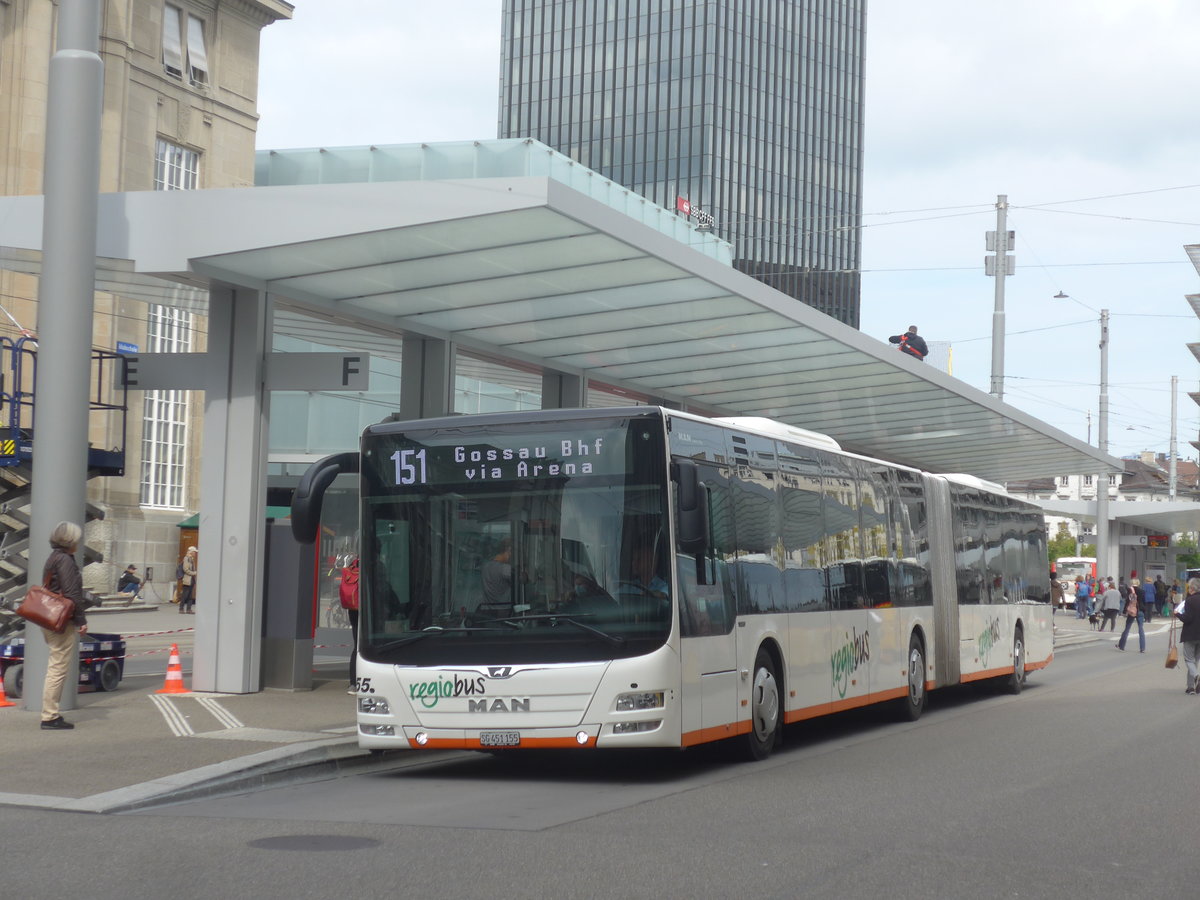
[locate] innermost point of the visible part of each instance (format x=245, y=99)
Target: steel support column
x=233, y=493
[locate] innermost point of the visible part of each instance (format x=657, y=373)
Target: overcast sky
x=1083, y=112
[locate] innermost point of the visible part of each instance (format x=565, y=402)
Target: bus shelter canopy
x=531, y=270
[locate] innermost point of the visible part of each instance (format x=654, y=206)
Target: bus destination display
x=416, y=463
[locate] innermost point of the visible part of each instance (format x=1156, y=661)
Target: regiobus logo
x=987, y=640
x=847, y=658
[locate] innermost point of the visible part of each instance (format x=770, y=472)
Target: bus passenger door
x=708, y=653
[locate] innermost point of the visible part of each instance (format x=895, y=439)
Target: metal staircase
x=18, y=377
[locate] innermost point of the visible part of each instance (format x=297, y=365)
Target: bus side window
x=706, y=609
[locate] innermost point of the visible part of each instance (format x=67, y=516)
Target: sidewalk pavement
x=1070, y=631
x=133, y=748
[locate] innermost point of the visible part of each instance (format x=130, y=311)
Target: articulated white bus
x=643, y=577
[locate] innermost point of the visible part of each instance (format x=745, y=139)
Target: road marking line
x=222, y=715
x=176, y=720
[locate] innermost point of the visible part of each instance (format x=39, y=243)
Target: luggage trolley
x=101, y=663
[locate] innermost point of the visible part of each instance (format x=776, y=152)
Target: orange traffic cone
x=174, y=682
x=4, y=701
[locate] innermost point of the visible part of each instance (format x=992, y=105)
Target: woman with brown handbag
x=62, y=576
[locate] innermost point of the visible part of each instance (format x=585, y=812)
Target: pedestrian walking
x=1110, y=605
x=1133, y=613
x=348, y=597
x=1148, y=599
x=1083, y=593
x=1189, y=636
x=61, y=575
x=187, y=593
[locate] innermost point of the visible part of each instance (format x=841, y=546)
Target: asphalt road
x=1083, y=786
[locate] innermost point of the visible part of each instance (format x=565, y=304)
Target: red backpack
x=348, y=589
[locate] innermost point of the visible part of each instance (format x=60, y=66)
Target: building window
x=183, y=46
x=168, y=330
x=165, y=415
x=1087, y=480
x=1112, y=480
x=1064, y=480
x=175, y=168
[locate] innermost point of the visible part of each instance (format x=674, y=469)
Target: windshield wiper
x=558, y=617
x=428, y=632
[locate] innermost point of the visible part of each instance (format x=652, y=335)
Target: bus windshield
x=500, y=543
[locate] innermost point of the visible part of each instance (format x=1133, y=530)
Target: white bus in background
x=1068, y=568
x=643, y=577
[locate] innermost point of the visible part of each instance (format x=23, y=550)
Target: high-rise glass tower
x=748, y=111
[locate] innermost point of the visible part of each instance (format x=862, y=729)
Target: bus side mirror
x=692, y=523
x=310, y=493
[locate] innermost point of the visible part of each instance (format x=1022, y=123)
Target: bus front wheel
x=765, y=711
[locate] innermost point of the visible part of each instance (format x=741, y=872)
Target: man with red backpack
x=911, y=343
x=348, y=597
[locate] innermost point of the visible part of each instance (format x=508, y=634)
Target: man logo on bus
x=988, y=639
x=847, y=658
x=498, y=704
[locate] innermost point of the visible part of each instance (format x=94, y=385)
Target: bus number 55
x=406, y=471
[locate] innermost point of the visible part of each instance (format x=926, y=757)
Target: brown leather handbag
x=43, y=607
x=1172, y=649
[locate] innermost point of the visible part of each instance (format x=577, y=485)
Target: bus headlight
x=640, y=700
x=636, y=727
x=379, y=730
x=369, y=703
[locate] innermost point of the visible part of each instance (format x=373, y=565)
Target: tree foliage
x=1189, y=560
x=1062, y=544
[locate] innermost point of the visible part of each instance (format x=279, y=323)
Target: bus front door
x=708, y=654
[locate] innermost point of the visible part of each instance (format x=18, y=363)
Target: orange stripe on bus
x=716, y=733
x=824, y=709
x=986, y=673
x=1034, y=666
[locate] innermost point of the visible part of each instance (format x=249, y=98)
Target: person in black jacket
x=130, y=582
x=1189, y=636
x=63, y=577
x=911, y=343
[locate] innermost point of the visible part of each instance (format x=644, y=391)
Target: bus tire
x=14, y=681
x=1016, y=679
x=913, y=702
x=765, y=708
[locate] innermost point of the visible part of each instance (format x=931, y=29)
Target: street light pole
x=1102, y=535
x=999, y=266
x=1103, y=563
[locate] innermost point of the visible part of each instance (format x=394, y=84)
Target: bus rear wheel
x=1016, y=680
x=913, y=703
x=765, y=711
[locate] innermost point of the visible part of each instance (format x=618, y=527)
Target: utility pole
x=1102, y=534
x=1172, y=468
x=1000, y=266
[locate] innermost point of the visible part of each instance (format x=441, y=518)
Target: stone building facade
x=179, y=112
